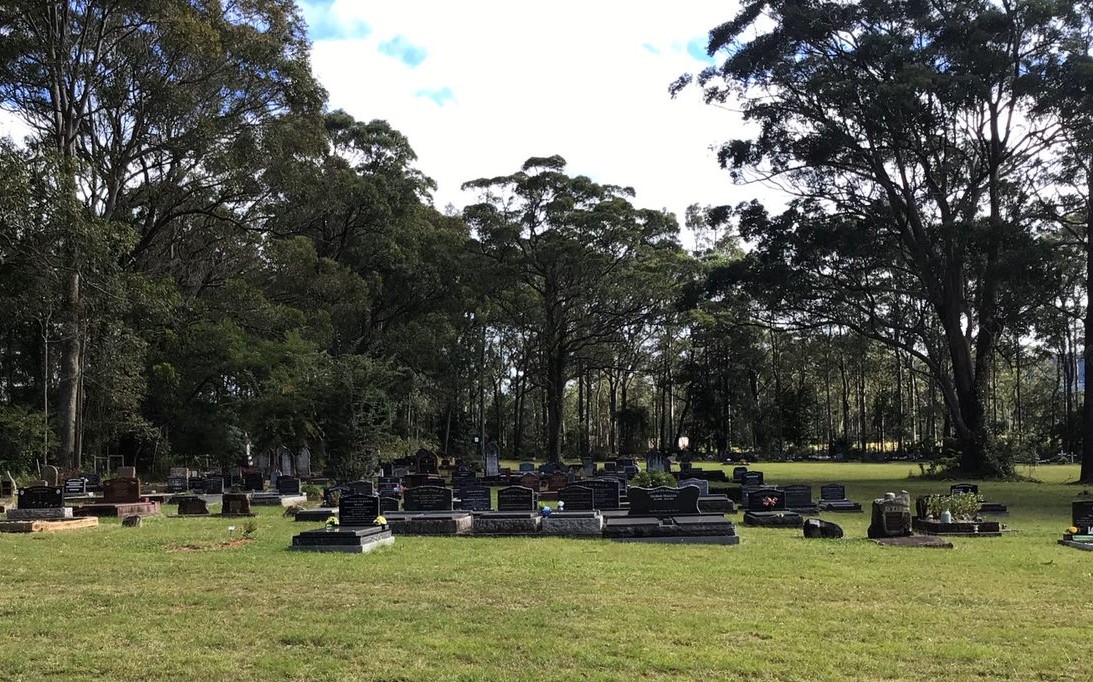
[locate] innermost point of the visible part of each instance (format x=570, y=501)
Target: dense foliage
x=199, y=260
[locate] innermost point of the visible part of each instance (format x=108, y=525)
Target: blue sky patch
x=401, y=49
x=439, y=96
x=696, y=47
x=323, y=25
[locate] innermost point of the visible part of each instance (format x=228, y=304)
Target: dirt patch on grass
x=209, y=546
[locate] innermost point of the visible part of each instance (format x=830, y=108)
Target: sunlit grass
x=115, y=603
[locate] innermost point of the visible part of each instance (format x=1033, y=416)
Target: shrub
x=652, y=479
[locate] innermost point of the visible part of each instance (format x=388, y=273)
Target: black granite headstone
x=359, y=487
x=192, y=506
x=358, y=510
x=177, y=484
x=474, y=498
x=578, y=498
x=388, y=504
x=738, y=474
x=1081, y=515
x=196, y=484
x=253, y=481
x=288, y=485
x=605, y=492
x=767, y=499
x=41, y=497
x=517, y=498
x=798, y=496
x=832, y=492
x=75, y=486
x=752, y=478
x=960, y=488
x=427, y=498
x=214, y=485
x=663, y=501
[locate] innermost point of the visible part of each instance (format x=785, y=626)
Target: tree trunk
x=69, y=384
x=555, y=394
x=1086, y=474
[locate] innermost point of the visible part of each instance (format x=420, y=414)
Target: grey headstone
x=702, y=485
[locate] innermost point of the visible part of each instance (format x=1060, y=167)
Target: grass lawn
x=115, y=603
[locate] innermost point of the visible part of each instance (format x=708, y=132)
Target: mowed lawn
x=116, y=603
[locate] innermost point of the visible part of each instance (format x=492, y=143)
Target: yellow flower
x=1072, y=529
x=381, y=521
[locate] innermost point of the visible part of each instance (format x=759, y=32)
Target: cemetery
x=636, y=548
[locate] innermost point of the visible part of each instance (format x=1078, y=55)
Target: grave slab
x=507, y=523
x=337, y=539
x=48, y=526
x=39, y=514
x=118, y=509
x=316, y=515
x=424, y=523
x=773, y=519
x=574, y=524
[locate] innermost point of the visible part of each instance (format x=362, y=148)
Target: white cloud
x=586, y=80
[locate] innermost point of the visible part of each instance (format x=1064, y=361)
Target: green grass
x=114, y=603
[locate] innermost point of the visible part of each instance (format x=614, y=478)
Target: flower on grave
x=1072, y=530
x=561, y=505
x=770, y=501
x=231, y=529
x=331, y=521
x=381, y=520
x=546, y=510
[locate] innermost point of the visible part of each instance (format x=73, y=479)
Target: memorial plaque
x=663, y=501
x=177, y=484
x=427, y=498
x=517, y=499
x=41, y=497
x=474, y=498
x=75, y=486
x=702, y=484
x=121, y=491
x=578, y=498
x=752, y=478
x=358, y=510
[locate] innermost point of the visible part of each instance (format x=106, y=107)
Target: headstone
x=663, y=501
x=288, y=485
x=610, y=467
x=51, y=475
x=303, y=462
x=126, y=472
x=359, y=487
x=253, y=481
x=832, y=492
x=960, y=488
x=605, y=492
x=530, y=481
x=493, y=459
x=766, y=499
x=388, y=504
x=196, y=484
x=75, y=486
x=192, y=506
x=656, y=461
x=121, y=491
x=426, y=462
x=685, y=466
x=285, y=461
x=527, y=466
x=738, y=474
x=588, y=467
x=463, y=476
x=752, y=478
x=389, y=486
x=702, y=484
x=577, y=498
x=474, y=498
x=41, y=497
x=177, y=484
x=131, y=522
x=94, y=480
x=332, y=496
x=214, y=484
x=798, y=496
x=557, y=481
x=7, y=486
x=236, y=504
x=274, y=476
x=358, y=510
x=517, y=498
x=1081, y=516
x=891, y=516
x=548, y=468
x=427, y=498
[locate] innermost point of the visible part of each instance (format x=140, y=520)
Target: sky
x=479, y=86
